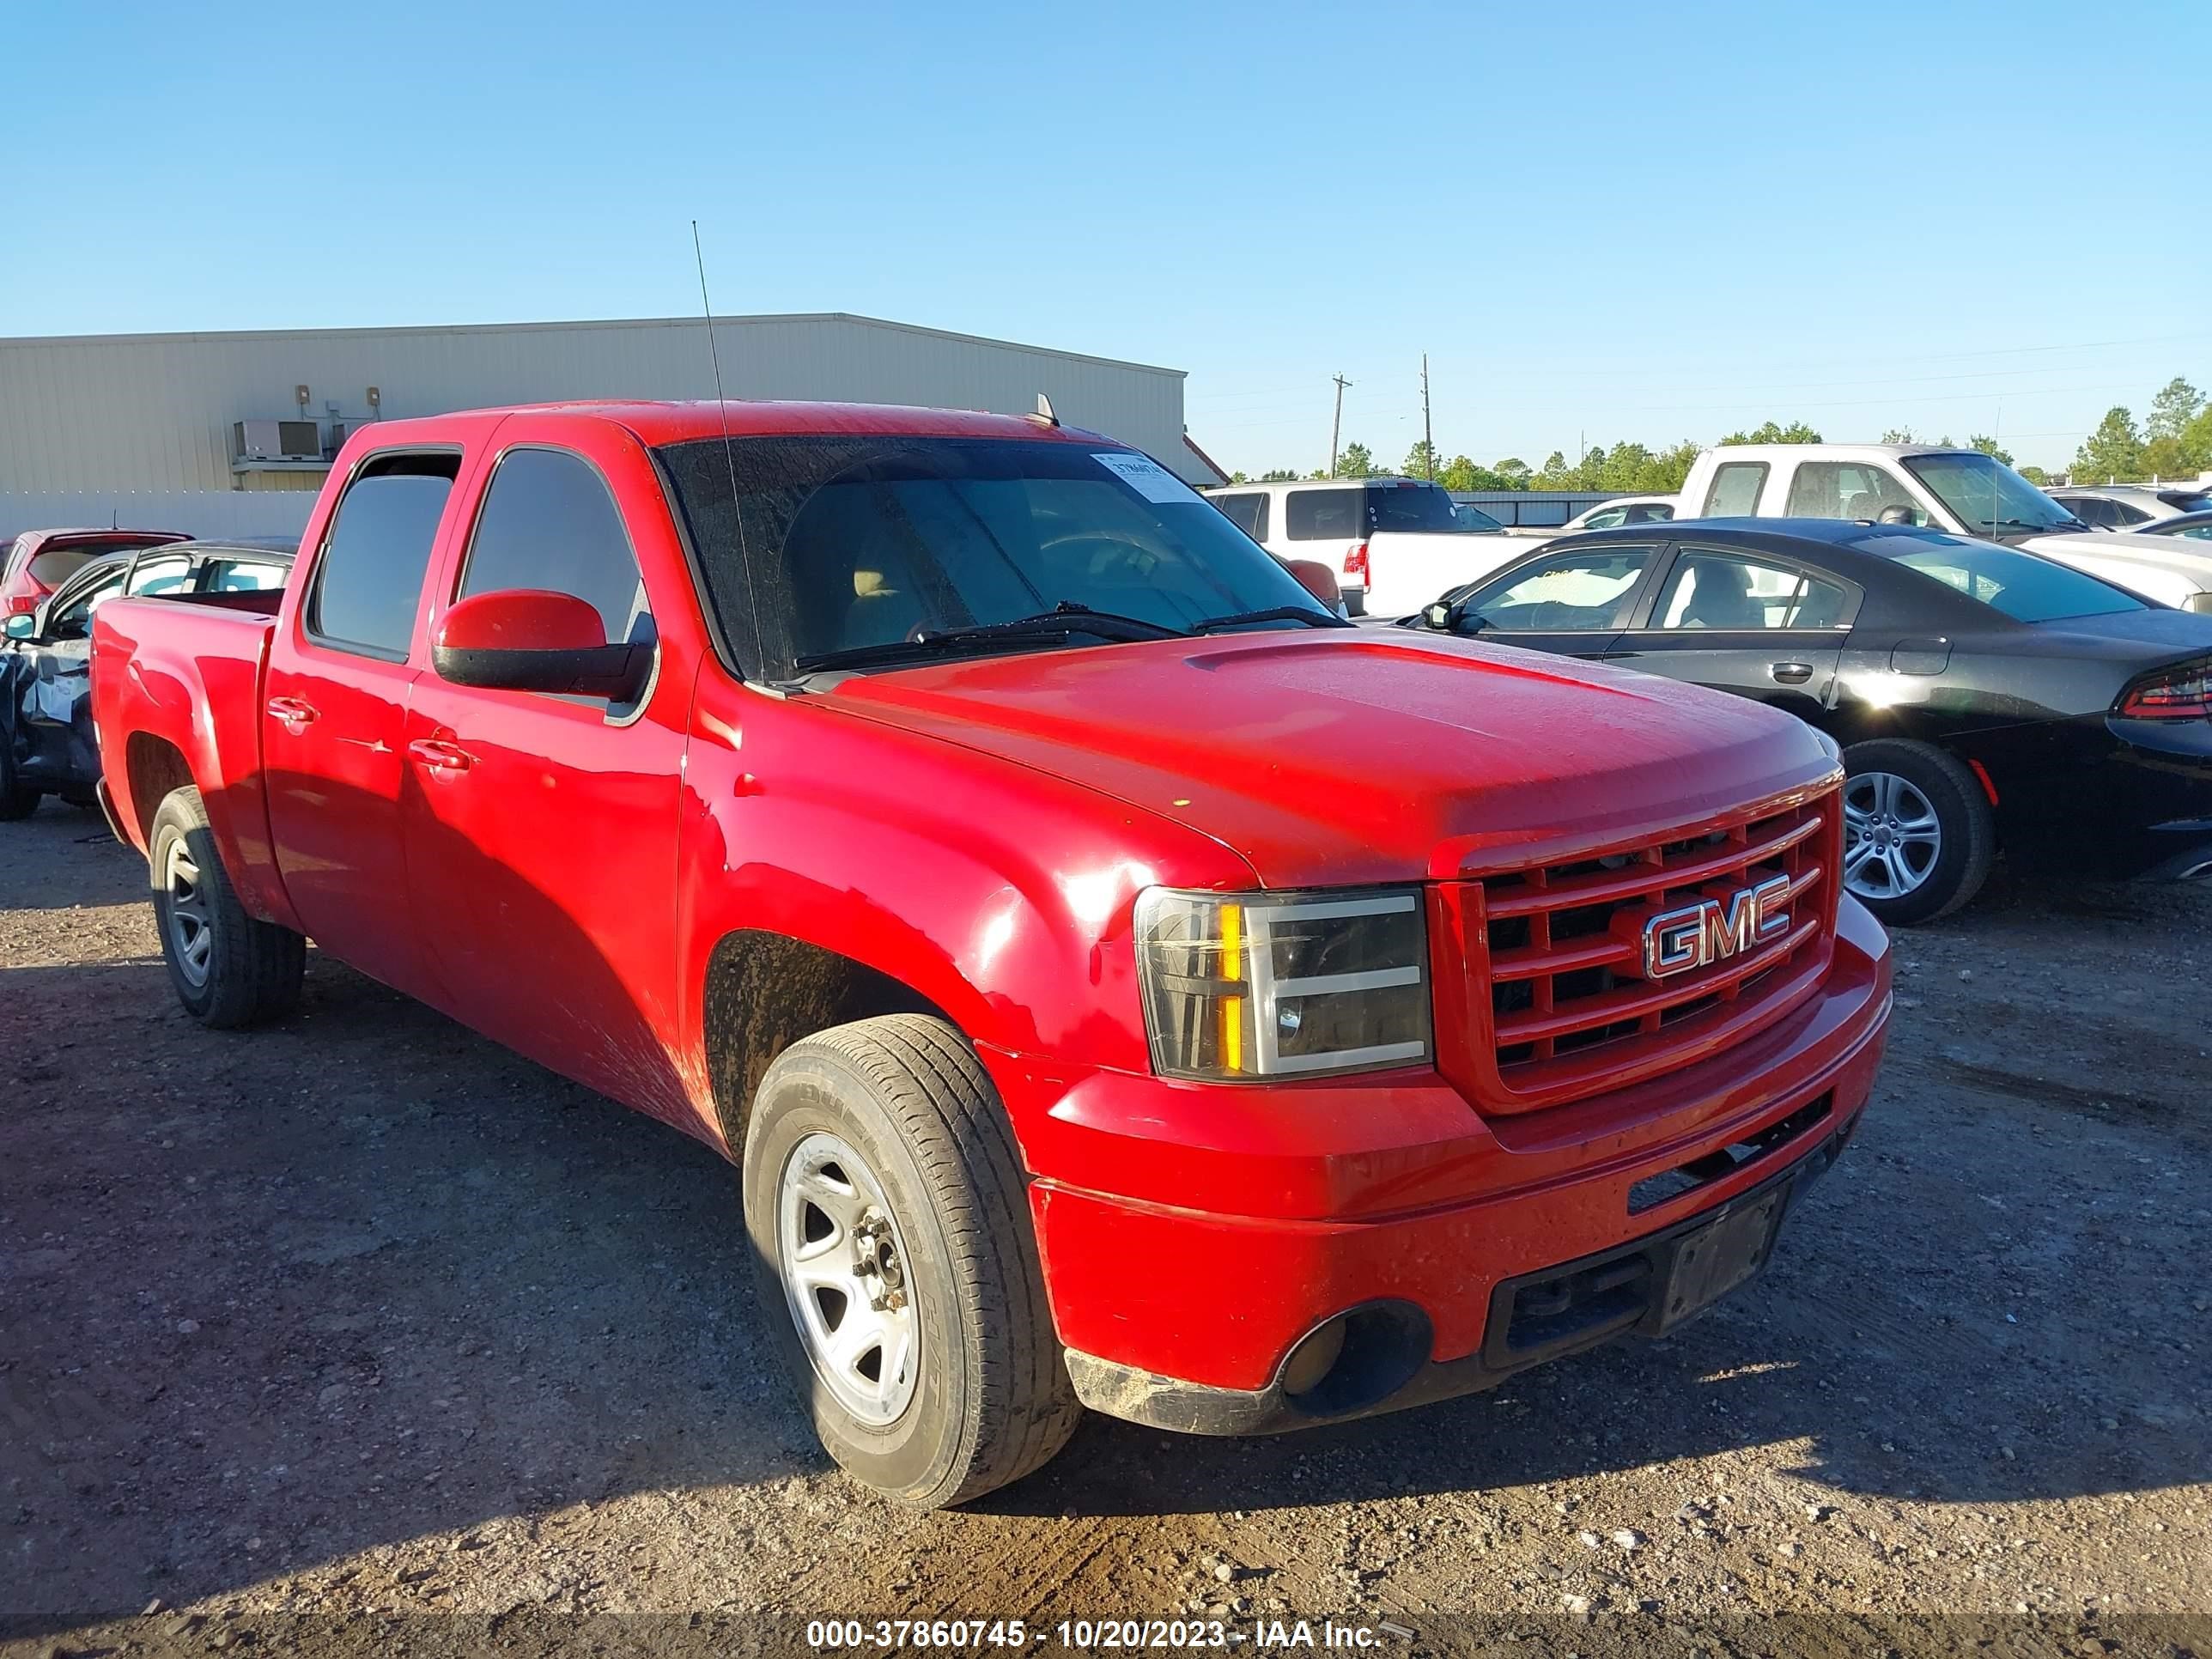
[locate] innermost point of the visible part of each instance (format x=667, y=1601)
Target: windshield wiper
x=1312, y=618
x=1063, y=619
x=2022, y=524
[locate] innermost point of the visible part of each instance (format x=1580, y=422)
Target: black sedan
x=1985, y=697
x=46, y=742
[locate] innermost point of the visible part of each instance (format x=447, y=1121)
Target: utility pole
x=1336, y=426
x=1428, y=433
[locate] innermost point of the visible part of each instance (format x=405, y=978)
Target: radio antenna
x=729, y=449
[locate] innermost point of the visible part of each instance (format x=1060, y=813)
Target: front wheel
x=228, y=968
x=890, y=1232
x=1918, y=834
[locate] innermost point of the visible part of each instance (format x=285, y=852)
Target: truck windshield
x=1986, y=494
x=1423, y=509
x=859, y=542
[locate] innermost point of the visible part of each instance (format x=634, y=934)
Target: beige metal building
x=230, y=434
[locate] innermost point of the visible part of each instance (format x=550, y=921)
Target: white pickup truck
x=1961, y=491
x=1394, y=542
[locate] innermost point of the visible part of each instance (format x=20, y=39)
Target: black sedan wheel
x=1918, y=836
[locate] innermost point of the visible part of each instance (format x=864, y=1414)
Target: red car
x=1121, y=982
x=39, y=561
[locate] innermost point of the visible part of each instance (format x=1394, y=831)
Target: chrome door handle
x=1790, y=673
x=440, y=756
x=292, y=711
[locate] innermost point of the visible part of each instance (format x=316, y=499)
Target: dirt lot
x=309, y=1333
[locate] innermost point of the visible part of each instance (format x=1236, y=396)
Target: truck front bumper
x=1357, y=1280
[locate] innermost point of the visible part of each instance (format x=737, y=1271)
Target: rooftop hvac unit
x=276, y=441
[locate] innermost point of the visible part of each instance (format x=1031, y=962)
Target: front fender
x=1000, y=894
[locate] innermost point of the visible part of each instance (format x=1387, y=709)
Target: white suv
x=1394, y=542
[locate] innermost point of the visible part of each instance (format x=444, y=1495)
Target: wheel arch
x=153, y=767
x=765, y=990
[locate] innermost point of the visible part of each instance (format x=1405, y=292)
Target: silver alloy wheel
x=1892, y=837
x=191, y=936
x=843, y=1265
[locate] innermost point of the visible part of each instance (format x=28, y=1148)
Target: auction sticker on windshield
x=1146, y=476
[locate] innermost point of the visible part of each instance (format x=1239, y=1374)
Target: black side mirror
x=526, y=640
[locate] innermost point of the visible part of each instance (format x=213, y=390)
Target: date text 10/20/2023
x=1142, y=1634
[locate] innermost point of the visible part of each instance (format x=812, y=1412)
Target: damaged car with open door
x=47, y=744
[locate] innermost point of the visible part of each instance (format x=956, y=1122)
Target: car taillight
x=1355, y=563
x=2179, y=694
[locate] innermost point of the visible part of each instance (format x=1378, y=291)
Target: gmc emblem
x=1712, y=930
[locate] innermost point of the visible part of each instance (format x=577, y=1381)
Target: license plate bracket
x=1714, y=1260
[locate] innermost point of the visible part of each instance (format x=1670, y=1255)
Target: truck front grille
x=1570, y=1010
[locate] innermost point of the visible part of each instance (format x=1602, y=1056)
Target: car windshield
x=1986, y=493
x=2022, y=585
x=1424, y=509
x=857, y=543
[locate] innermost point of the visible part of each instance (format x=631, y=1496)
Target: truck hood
x=2168, y=567
x=1343, y=757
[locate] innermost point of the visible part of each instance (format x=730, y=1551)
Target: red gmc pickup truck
x=1119, y=981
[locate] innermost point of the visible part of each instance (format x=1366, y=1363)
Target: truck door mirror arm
x=531, y=640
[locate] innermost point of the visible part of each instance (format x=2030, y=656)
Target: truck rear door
x=342, y=668
x=1757, y=624
x=541, y=829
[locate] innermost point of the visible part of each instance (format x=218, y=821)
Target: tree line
x=2175, y=440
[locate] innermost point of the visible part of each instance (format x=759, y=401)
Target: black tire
x=991, y=1400
x=249, y=970
x=1966, y=845
x=17, y=800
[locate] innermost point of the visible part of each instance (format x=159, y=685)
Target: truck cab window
x=1734, y=490
x=548, y=522
x=1848, y=490
x=368, y=583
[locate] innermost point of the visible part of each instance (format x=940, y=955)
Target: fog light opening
x=1357, y=1359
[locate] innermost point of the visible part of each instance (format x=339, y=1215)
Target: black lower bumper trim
x=1533, y=1318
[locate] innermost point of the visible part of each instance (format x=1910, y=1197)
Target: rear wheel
x=228, y=968
x=890, y=1231
x=1918, y=835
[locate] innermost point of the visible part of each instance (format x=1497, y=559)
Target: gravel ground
x=362, y=1335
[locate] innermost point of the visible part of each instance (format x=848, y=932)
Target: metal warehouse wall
x=153, y=412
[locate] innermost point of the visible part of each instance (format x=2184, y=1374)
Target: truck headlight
x=1251, y=986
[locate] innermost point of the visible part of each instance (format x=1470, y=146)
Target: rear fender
x=177, y=693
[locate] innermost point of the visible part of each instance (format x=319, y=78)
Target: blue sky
x=1607, y=220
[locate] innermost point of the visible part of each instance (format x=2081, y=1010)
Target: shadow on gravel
x=275, y=1299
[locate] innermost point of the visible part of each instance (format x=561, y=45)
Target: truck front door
x=333, y=727
x=541, y=829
